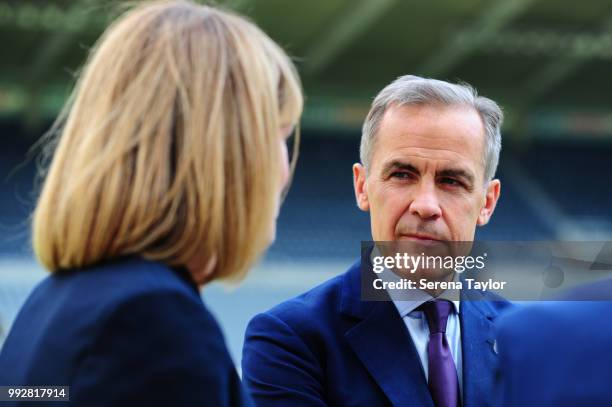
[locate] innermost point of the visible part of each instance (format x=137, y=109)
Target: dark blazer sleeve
x=158, y=349
x=278, y=368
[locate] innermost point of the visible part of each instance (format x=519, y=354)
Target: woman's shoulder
x=133, y=291
x=115, y=282
x=112, y=316
x=165, y=319
x=143, y=290
x=155, y=329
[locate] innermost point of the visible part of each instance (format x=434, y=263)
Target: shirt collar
x=405, y=307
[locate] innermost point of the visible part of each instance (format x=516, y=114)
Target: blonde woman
x=167, y=175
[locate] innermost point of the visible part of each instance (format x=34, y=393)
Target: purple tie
x=442, y=380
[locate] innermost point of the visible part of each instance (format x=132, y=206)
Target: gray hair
x=414, y=90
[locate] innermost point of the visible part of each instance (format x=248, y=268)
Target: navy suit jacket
x=329, y=348
x=558, y=353
x=130, y=332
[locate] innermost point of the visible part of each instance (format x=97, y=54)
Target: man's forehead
x=433, y=120
x=452, y=133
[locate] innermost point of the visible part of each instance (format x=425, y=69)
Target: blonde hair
x=169, y=146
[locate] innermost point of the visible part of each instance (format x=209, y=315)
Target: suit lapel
x=382, y=343
x=479, y=351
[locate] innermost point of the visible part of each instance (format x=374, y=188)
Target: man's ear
x=359, y=183
x=490, y=201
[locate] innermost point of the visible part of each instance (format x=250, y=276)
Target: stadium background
x=547, y=62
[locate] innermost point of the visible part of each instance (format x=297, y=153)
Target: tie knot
x=437, y=312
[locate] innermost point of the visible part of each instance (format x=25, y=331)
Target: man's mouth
x=420, y=238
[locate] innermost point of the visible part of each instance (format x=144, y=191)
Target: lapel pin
x=493, y=344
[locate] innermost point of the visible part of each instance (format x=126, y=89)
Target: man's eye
x=401, y=175
x=451, y=181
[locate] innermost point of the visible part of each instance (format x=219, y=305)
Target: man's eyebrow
x=399, y=165
x=457, y=173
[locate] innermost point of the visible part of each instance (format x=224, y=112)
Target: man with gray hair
x=429, y=152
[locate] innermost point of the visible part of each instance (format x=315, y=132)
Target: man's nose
x=425, y=204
